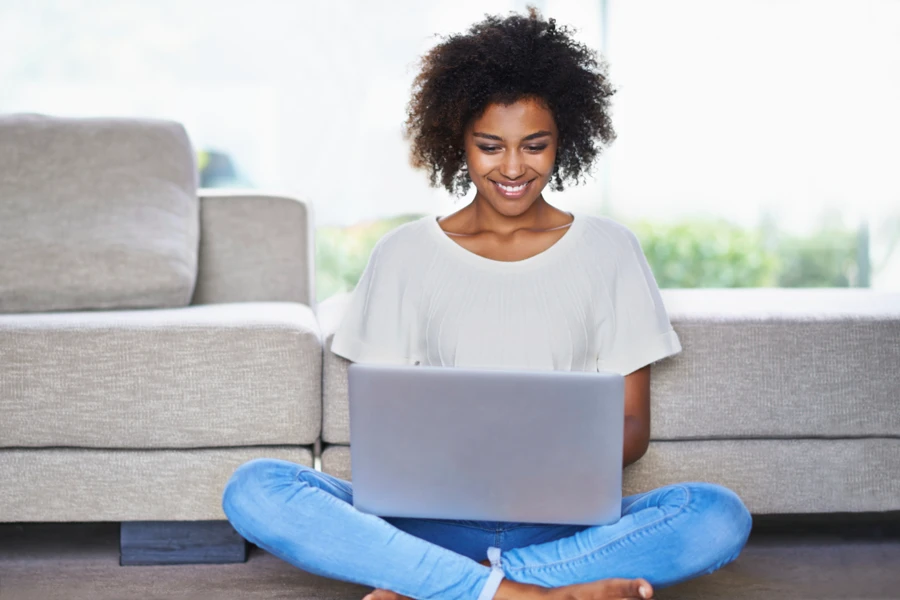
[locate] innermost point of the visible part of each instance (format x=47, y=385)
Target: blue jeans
x=306, y=518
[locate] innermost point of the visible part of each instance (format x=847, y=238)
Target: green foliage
x=693, y=253
x=828, y=258
x=706, y=253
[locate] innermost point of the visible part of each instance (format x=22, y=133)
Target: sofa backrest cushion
x=96, y=214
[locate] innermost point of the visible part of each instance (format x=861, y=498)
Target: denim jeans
x=306, y=518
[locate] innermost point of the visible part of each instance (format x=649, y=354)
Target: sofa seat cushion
x=219, y=375
x=96, y=214
x=80, y=484
x=757, y=363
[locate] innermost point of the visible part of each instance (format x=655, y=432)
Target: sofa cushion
x=203, y=376
x=770, y=476
x=124, y=485
x=96, y=213
x=757, y=363
x=780, y=363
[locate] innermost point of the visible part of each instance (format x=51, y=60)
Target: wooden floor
x=80, y=562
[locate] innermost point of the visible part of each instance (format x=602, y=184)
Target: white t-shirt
x=589, y=302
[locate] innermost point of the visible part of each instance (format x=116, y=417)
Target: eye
x=489, y=149
x=537, y=148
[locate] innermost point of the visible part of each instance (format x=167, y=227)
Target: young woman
x=512, y=106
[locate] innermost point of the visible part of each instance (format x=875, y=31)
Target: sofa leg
x=180, y=543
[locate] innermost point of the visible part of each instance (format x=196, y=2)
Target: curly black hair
x=502, y=61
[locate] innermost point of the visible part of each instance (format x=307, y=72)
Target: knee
x=249, y=485
x=726, y=522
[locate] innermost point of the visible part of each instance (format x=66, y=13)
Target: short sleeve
x=376, y=327
x=641, y=333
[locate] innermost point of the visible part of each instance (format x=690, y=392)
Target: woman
x=509, y=281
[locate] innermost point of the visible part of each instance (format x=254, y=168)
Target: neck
x=484, y=217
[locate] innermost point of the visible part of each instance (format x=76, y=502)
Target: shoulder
x=395, y=249
x=610, y=235
x=403, y=236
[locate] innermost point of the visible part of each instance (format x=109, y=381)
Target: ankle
x=511, y=590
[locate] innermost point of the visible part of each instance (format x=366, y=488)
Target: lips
x=512, y=190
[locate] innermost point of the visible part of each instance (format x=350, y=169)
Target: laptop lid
x=487, y=445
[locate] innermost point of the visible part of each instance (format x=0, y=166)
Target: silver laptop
x=487, y=445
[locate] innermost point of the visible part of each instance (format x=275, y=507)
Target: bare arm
x=637, y=415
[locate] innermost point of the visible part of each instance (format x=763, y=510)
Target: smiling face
x=510, y=152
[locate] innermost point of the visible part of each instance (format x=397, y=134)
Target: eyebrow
x=490, y=136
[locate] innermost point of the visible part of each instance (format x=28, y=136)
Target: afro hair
x=502, y=61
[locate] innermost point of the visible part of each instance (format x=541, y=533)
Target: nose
x=513, y=166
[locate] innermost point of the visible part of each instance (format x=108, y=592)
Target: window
x=757, y=139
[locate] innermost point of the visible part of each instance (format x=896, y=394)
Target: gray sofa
x=131, y=394
x=125, y=406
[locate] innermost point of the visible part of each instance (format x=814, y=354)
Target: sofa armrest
x=254, y=248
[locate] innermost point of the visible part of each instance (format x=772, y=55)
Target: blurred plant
x=827, y=258
x=217, y=170
x=706, y=253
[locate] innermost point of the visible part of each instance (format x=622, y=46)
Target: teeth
x=506, y=188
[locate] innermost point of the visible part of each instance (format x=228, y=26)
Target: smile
x=512, y=191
